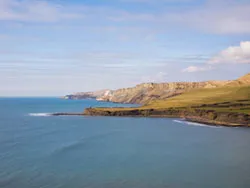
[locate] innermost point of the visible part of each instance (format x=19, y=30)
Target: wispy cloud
x=158, y=1
x=4, y=37
x=44, y=43
x=231, y=17
x=197, y=68
x=34, y=11
x=219, y=17
x=156, y=78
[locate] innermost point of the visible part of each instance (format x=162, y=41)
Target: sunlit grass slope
x=224, y=98
x=205, y=96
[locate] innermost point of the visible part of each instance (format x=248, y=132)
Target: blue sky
x=52, y=48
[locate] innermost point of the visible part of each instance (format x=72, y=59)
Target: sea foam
x=40, y=114
x=194, y=124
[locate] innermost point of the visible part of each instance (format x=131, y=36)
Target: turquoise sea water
x=39, y=151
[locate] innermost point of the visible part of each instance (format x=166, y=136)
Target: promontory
x=211, y=102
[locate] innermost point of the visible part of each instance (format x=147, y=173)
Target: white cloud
x=158, y=1
x=30, y=11
x=197, y=69
x=233, y=54
x=220, y=17
x=156, y=78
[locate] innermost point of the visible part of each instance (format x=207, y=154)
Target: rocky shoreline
x=210, y=117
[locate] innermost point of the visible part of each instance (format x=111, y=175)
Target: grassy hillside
x=235, y=98
x=227, y=99
x=236, y=92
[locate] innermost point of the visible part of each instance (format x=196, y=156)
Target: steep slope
x=237, y=98
x=144, y=93
x=244, y=80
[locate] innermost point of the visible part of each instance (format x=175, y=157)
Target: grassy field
x=235, y=98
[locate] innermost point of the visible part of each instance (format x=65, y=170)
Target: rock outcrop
x=196, y=115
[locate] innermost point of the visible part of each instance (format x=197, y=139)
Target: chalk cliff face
x=85, y=95
x=146, y=92
x=143, y=93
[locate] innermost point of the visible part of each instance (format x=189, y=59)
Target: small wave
x=40, y=114
x=178, y=121
x=194, y=124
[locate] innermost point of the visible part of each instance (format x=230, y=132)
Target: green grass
x=234, y=95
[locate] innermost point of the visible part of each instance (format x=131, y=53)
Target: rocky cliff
x=85, y=95
x=146, y=92
x=143, y=93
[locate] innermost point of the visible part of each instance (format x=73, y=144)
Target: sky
x=57, y=47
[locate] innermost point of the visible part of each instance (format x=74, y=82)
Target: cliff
x=85, y=95
x=146, y=92
x=143, y=93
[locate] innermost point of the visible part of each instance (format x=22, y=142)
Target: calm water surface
x=38, y=151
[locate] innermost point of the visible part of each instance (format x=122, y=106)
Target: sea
x=38, y=150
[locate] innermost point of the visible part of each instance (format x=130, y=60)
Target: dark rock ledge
x=210, y=117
